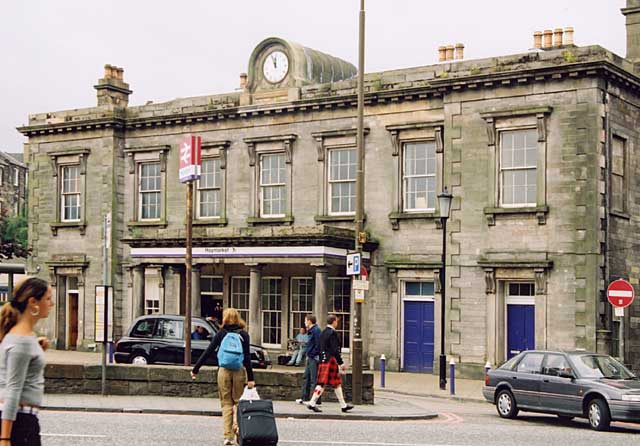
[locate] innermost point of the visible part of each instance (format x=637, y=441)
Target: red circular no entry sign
x=620, y=293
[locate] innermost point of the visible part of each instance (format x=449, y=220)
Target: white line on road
x=361, y=443
x=73, y=435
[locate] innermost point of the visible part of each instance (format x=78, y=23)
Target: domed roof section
x=306, y=65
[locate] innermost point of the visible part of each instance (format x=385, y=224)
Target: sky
x=52, y=52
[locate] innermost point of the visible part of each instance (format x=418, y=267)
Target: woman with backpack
x=231, y=345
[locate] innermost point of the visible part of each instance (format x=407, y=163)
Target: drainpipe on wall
x=608, y=316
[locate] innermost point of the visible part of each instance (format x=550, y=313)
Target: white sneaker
x=228, y=442
x=299, y=401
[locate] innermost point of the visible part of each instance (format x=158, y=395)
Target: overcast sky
x=52, y=52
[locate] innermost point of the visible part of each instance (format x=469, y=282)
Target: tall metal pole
x=443, y=303
x=356, y=377
x=187, y=257
x=105, y=281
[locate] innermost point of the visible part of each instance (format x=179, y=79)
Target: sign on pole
x=354, y=262
x=620, y=293
x=358, y=295
x=190, y=157
x=104, y=313
x=360, y=284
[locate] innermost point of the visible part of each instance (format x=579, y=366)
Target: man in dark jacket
x=331, y=366
x=313, y=358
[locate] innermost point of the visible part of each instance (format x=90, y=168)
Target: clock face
x=276, y=66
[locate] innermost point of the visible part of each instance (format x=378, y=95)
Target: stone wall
x=176, y=381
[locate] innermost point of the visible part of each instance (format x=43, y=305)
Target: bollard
x=383, y=363
x=487, y=367
x=452, y=377
x=110, y=352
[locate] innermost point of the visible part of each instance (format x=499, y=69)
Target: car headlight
x=635, y=398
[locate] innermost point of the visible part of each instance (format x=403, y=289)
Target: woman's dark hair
x=30, y=287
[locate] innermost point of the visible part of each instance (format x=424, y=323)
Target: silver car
x=568, y=384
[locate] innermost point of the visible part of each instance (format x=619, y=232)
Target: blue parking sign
x=353, y=264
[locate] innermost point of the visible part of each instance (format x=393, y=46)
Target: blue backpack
x=230, y=353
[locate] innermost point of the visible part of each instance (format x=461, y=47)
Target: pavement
x=390, y=401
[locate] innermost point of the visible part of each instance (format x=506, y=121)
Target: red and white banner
x=190, y=158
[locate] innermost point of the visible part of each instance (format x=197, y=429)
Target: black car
x=568, y=384
x=160, y=339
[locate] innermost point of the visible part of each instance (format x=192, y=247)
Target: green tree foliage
x=14, y=241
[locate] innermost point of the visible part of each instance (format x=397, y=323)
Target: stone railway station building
x=539, y=149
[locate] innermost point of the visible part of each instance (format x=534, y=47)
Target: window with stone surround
x=147, y=185
x=209, y=200
x=273, y=185
x=301, y=302
x=240, y=296
x=271, y=295
x=419, y=169
x=270, y=158
x=518, y=164
x=16, y=176
x=339, y=303
x=618, y=174
x=517, y=140
x=70, y=193
x=342, y=181
x=149, y=191
x=1, y=176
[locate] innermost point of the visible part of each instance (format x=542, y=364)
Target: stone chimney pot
x=557, y=37
x=442, y=53
x=450, y=49
x=459, y=51
x=568, y=36
x=243, y=80
x=537, y=39
x=548, y=36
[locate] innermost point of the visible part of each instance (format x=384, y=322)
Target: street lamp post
x=444, y=203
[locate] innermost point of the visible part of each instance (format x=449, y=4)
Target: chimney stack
x=537, y=40
x=632, y=14
x=450, y=52
x=547, y=42
x=568, y=36
x=112, y=89
x=459, y=51
x=557, y=37
x=243, y=81
x=442, y=53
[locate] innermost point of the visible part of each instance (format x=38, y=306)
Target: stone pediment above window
x=216, y=148
x=286, y=140
x=69, y=156
x=511, y=266
x=147, y=153
x=416, y=130
x=335, y=139
x=538, y=115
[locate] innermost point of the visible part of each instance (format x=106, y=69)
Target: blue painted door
x=521, y=329
x=418, y=336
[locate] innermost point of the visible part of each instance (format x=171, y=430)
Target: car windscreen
x=600, y=366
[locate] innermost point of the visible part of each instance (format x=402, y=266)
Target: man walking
x=331, y=365
x=313, y=358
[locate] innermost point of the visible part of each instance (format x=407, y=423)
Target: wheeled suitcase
x=256, y=423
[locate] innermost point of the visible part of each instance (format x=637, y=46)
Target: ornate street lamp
x=444, y=203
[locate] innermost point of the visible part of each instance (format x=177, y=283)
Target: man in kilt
x=331, y=366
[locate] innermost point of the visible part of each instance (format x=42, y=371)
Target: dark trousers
x=309, y=378
x=25, y=431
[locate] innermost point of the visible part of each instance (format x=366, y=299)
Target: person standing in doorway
x=231, y=344
x=313, y=359
x=331, y=366
x=22, y=362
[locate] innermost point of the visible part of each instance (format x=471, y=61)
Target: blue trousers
x=309, y=378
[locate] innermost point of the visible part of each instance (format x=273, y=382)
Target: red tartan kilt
x=329, y=373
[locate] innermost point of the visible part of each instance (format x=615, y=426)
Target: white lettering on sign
x=620, y=293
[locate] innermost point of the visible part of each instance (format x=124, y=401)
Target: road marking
x=361, y=443
x=73, y=435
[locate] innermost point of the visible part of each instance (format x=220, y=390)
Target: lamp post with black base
x=444, y=203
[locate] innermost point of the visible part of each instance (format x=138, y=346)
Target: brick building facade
x=539, y=150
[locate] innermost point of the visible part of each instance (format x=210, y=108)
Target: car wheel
x=598, y=413
x=139, y=359
x=506, y=404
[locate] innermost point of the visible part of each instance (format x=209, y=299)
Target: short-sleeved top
x=21, y=373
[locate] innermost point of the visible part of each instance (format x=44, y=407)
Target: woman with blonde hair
x=22, y=362
x=231, y=345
